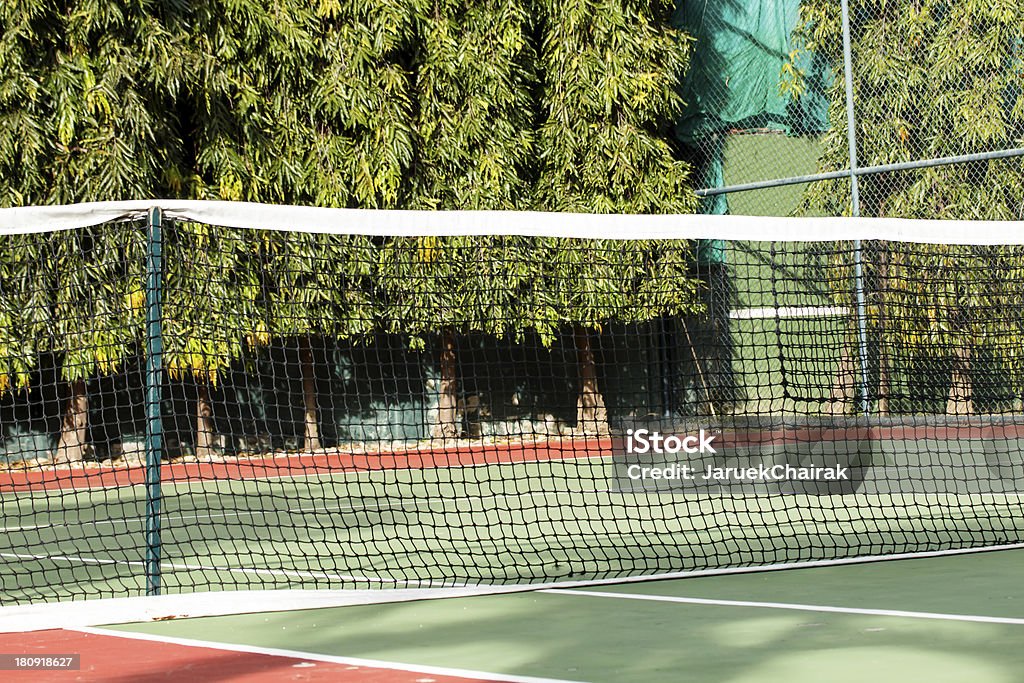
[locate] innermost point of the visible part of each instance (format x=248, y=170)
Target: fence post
x=858, y=262
x=154, y=369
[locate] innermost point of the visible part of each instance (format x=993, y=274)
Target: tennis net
x=207, y=396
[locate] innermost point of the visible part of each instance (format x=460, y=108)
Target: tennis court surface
x=398, y=446
x=954, y=618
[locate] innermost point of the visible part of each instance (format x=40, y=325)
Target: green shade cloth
x=734, y=84
x=734, y=78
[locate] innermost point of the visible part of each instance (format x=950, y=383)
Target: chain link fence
x=903, y=109
x=929, y=92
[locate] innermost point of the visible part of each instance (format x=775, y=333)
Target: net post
x=154, y=368
x=858, y=261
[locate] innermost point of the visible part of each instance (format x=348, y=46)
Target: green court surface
x=947, y=619
x=495, y=524
x=754, y=158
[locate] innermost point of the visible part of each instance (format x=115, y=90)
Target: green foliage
x=592, y=282
x=602, y=84
x=443, y=104
x=86, y=102
x=932, y=78
x=229, y=291
x=609, y=95
x=25, y=313
x=95, y=314
x=317, y=284
x=214, y=300
x=361, y=147
x=87, y=94
x=469, y=284
x=506, y=286
x=74, y=293
x=610, y=75
x=288, y=103
x=947, y=296
x=475, y=80
x=474, y=86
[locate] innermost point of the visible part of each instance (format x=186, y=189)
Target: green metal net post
x=154, y=369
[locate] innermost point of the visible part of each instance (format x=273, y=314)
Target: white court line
x=295, y=573
x=133, y=520
x=789, y=606
x=787, y=312
x=420, y=502
x=317, y=657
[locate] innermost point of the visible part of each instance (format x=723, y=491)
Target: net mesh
x=345, y=410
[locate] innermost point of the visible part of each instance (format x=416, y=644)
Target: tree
x=292, y=104
x=474, y=85
x=475, y=77
x=86, y=102
x=318, y=285
x=86, y=114
x=453, y=286
x=932, y=78
x=587, y=284
x=610, y=79
x=440, y=104
x=26, y=305
x=214, y=310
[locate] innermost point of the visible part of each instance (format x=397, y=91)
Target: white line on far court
x=371, y=506
x=788, y=312
x=790, y=606
x=317, y=657
x=292, y=573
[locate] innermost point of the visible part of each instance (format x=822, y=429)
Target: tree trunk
x=71, y=446
x=960, y=389
x=591, y=416
x=311, y=440
x=843, y=389
x=447, y=424
x=204, y=423
x=883, y=352
x=883, y=381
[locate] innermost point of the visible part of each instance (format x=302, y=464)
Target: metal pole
x=858, y=265
x=863, y=171
x=154, y=368
x=665, y=356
